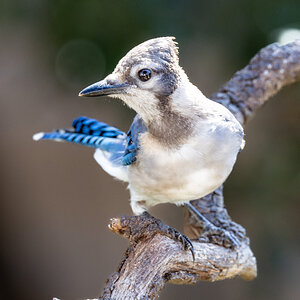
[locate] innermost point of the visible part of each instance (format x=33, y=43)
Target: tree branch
x=272, y=68
x=152, y=260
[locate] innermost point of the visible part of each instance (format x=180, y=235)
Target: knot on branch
x=136, y=228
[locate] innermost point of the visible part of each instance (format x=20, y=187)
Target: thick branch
x=152, y=260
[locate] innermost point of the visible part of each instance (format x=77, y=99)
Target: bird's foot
x=213, y=234
x=172, y=233
x=219, y=236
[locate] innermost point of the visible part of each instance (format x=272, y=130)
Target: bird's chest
x=175, y=174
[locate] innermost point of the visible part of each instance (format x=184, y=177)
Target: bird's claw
x=221, y=237
x=183, y=239
x=172, y=233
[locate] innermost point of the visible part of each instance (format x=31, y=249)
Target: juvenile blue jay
x=181, y=146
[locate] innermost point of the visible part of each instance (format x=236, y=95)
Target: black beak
x=102, y=88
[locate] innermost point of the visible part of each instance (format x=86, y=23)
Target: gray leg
x=212, y=233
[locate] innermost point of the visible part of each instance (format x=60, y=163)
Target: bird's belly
x=175, y=186
x=175, y=177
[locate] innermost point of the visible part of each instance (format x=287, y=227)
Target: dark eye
x=144, y=74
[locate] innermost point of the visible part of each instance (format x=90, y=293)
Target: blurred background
x=55, y=200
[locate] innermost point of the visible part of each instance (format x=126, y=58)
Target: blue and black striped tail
x=93, y=127
x=87, y=132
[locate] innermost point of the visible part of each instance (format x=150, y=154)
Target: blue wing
x=137, y=127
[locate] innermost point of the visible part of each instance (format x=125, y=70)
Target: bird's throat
x=170, y=128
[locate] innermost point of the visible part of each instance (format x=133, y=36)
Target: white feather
x=118, y=171
x=38, y=136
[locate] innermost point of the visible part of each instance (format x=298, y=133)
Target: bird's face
x=144, y=78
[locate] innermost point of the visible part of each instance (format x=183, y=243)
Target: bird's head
x=144, y=78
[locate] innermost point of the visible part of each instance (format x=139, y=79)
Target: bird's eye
x=144, y=74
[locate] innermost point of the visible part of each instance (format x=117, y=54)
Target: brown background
x=56, y=201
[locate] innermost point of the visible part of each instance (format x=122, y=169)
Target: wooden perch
x=152, y=260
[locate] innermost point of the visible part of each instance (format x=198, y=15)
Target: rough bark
x=152, y=260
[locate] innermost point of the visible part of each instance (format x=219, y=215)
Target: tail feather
x=88, y=132
x=93, y=127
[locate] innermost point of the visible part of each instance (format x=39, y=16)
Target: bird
x=181, y=145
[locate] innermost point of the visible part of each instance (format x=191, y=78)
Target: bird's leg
x=211, y=233
x=171, y=233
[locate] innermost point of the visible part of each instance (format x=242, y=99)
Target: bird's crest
x=163, y=50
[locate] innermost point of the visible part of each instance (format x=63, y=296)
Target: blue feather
x=93, y=127
x=81, y=139
x=137, y=127
x=89, y=132
x=99, y=135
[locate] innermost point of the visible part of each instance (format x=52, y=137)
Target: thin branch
x=152, y=260
x=272, y=68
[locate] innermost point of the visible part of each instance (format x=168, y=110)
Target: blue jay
x=181, y=146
